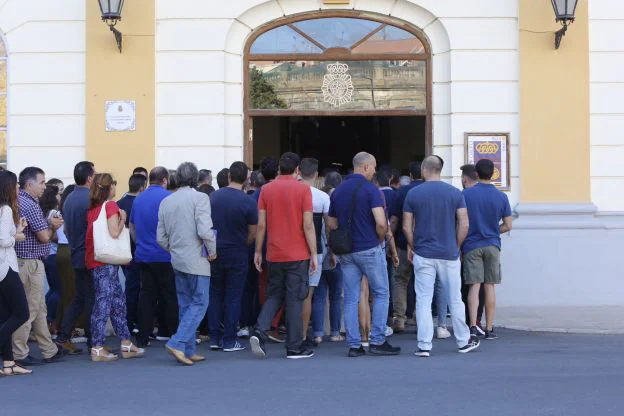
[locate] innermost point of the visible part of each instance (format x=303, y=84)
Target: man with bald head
x=358, y=206
x=435, y=223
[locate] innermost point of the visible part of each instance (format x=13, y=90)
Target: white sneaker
x=163, y=338
x=442, y=333
x=389, y=331
x=243, y=332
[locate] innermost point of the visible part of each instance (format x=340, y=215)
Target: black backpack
x=341, y=239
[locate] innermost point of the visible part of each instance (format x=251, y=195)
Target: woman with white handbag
x=107, y=247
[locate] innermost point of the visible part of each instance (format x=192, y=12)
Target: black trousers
x=82, y=302
x=157, y=285
x=13, y=311
x=288, y=282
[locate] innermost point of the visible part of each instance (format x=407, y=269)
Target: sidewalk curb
x=584, y=331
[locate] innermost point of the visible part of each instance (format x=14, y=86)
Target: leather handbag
x=341, y=239
x=109, y=250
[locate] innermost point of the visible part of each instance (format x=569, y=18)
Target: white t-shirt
x=320, y=205
x=8, y=259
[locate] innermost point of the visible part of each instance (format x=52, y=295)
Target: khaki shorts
x=482, y=265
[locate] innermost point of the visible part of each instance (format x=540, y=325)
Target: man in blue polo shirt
x=235, y=218
x=435, y=223
x=490, y=216
x=367, y=221
x=157, y=277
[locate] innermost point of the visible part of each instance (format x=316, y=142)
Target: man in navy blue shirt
x=75, y=215
x=155, y=270
x=136, y=185
x=235, y=218
x=487, y=208
x=368, y=226
x=435, y=223
x=403, y=273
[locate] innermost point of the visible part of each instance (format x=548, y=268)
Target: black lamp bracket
x=561, y=33
x=118, y=36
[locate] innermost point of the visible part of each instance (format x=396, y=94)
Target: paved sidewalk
x=570, y=319
x=521, y=374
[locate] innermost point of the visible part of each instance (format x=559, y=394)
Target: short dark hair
x=82, y=172
x=29, y=174
x=158, y=175
x=140, y=170
x=485, y=169
x=332, y=180
x=308, y=167
x=136, y=182
x=257, y=179
x=239, y=172
x=415, y=169
x=204, y=174
x=470, y=171
x=288, y=163
x=206, y=189
x=382, y=177
x=268, y=168
x=172, y=185
x=223, y=178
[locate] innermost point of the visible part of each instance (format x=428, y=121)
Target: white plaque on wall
x=120, y=115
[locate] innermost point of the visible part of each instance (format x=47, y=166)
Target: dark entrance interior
x=334, y=140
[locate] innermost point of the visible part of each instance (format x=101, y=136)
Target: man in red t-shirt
x=285, y=209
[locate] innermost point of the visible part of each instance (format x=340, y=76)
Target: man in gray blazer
x=185, y=230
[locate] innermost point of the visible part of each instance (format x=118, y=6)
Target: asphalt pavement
x=521, y=373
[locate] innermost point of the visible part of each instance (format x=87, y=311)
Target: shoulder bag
x=341, y=239
x=107, y=249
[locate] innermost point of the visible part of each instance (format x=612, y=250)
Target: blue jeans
x=53, y=297
x=192, y=291
x=332, y=280
x=229, y=275
x=448, y=273
x=371, y=263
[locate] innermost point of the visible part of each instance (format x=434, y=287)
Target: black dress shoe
x=55, y=358
x=29, y=361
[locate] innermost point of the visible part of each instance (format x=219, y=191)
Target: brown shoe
x=178, y=355
x=197, y=358
x=69, y=348
x=398, y=327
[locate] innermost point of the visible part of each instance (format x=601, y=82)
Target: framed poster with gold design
x=492, y=146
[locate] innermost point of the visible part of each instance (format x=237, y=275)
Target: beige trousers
x=32, y=274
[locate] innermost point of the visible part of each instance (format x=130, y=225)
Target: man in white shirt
x=308, y=170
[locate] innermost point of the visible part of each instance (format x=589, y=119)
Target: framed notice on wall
x=493, y=146
x=120, y=115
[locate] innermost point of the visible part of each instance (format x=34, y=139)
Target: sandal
x=101, y=355
x=12, y=372
x=127, y=352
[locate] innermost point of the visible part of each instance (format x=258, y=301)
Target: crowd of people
x=258, y=258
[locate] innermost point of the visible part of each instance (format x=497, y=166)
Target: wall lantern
x=564, y=12
x=111, y=14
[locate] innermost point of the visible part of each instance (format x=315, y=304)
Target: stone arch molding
x=406, y=10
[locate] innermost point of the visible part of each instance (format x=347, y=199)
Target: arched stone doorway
x=329, y=84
